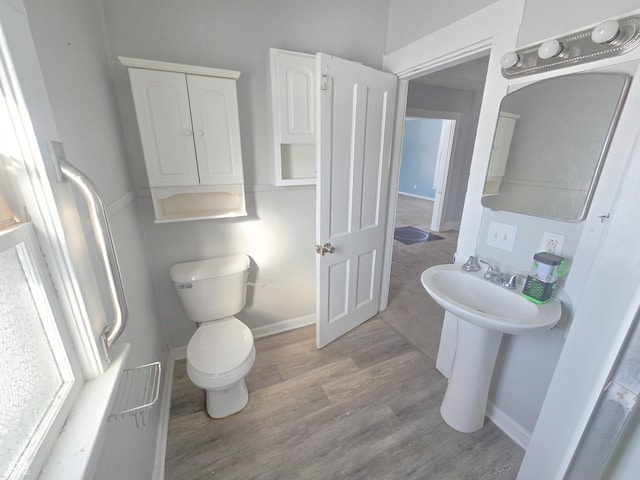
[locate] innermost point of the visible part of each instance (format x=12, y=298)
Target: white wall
x=71, y=49
x=279, y=232
x=410, y=20
x=128, y=451
x=236, y=35
x=545, y=19
x=279, y=239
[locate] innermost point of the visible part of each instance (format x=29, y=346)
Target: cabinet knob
x=188, y=133
x=199, y=133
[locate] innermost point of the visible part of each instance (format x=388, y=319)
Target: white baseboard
x=165, y=406
x=416, y=196
x=283, y=326
x=508, y=425
x=179, y=353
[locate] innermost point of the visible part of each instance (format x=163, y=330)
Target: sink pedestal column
x=465, y=401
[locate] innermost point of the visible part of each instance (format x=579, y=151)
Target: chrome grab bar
x=104, y=239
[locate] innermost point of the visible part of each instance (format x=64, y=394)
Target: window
x=39, y=378
x=41, y=373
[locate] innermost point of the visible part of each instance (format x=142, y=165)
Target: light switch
x=502, y=236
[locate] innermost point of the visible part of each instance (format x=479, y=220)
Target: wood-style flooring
x=364, y=407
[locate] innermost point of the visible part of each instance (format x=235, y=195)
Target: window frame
x=72, y=448
x=22, y=237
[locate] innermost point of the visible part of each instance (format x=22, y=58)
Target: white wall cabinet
x=293, y=109
x=190, y=133
x=502, y=143
x=500, y=152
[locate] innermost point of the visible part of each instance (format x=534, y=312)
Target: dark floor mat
x=411, y=235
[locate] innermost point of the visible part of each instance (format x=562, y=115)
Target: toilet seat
x=220, y=353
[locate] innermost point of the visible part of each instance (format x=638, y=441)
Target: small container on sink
x=542, y=282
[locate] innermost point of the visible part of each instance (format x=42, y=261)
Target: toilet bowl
x=219, y=355
x=221, y=351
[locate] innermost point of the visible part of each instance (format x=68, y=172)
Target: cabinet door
x=214, y=113
x=162, y=107
x=295, y=75
x=501, y=144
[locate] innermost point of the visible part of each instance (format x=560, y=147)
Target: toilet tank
x=212, y=289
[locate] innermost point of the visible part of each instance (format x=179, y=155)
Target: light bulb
x=606, y=32
x=510, y=59
x=550, y=49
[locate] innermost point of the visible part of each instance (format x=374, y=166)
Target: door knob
x=324, y=249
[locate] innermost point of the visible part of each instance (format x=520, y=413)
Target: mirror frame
x=600, y=160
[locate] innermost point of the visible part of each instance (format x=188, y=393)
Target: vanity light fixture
x=608, y=39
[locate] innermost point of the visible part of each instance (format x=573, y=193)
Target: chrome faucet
x=507, y=281
x=513, y=281
x=493, y=275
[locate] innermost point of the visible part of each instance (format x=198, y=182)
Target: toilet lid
x=220, y=346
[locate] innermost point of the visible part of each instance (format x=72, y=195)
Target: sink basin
x=485, y=312
x=470, y=297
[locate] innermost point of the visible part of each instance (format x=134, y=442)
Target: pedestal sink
x=485, y=312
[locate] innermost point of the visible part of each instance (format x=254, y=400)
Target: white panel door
x=164, y=120
x=356, y=109
x=216, y=128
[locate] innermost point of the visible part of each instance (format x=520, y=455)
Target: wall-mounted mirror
x=550, y=142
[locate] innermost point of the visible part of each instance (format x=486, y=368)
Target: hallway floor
x=364, y=407
x=411, y=311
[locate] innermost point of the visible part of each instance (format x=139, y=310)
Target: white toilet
x=221, y=352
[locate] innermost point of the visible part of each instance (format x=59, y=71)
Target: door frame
x=446, y=154
x=494, y=30
x=446, y=150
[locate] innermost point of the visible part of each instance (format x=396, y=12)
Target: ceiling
x=470, y=75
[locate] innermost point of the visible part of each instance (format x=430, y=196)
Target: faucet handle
x=471, y=265
x=490, y=268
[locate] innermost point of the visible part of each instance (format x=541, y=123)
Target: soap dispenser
x=542, y=281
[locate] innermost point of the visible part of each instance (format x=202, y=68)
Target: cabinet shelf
x=292, y=102
x=174, y=204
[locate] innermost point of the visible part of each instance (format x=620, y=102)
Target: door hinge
x=324, y=82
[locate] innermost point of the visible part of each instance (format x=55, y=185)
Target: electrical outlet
x=552, y=243
x=502, y=236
